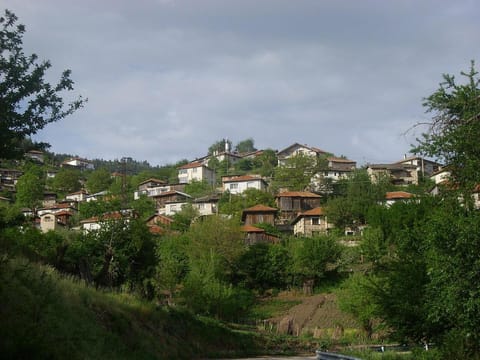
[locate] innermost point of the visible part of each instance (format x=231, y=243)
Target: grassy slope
x=44, y=315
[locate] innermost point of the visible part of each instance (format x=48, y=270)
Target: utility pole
x=124, y=161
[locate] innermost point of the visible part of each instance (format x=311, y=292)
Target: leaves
x=27, y=102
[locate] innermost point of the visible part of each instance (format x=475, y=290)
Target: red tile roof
x=304, y=194
x=153, y=180
x=341, y=160
x=260, y=208
x=250, y=229
x=314, y=212
x=64, y=212
x=242, y=178
x=318, y=211
x=110, y=216
x=192, y=165
x=392, y=195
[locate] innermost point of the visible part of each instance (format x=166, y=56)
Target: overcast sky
x=165, y=79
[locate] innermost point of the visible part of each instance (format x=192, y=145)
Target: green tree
x=214, y=247
x=234, y=204
x=66, y=181
x=184, y=218
x=297, y=173
x=144, y=206
x=27, y=102
x=219, y=146
x=198, y=188
x=98, y=180
x=452, y=135
x=172, y=263
x=311, y=257
x=120, y=252
x=265, y=266
x=357, y=195
x=218, y=237
x=245, y=146
x=356, y=298
x=266, y=162
x=30, y=187
x=244, y=165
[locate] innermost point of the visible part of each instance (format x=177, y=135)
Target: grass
x=46, y=315
x=272, y=307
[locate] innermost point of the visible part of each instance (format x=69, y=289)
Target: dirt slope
x=315, y=314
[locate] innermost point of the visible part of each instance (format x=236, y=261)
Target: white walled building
x=195, y=171
x=238, y=184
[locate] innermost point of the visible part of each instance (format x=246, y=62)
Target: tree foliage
x=98, y=180
x=220, y=146
x=452, y=136
x=311, y=257
x=357, y=196
x=27, y=102
x=297, y=172
x=245, y=146
x=66, y=181
x=30, y=187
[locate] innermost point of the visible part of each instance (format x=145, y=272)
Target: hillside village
x=295, y=210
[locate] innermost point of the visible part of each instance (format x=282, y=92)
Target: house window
x=233, y=186
x=182, y=171
x=48, y=219
x=194, y=170
x=315, y=221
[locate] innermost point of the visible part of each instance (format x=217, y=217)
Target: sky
x=165, y=79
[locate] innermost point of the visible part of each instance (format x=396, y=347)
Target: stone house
x=311, y=222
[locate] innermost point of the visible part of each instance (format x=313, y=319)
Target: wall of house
x=173, y=208
x=258, y=218
x=205, y=208
x=48, y=222
x=201, y=173
x=239, y=187
x=307, y=226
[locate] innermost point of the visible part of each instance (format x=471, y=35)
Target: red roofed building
x=195, y=171
x=311, y=222
x=395, y=196
x=259, y=214
x=238, y=184
x=299, y=149
x=96, y=222
x=255, y=235
x=291, y=203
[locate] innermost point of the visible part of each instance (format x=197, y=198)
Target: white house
x=57, y=208
x=78, y=196
x=172, y=207
x=238, y=184
x=440, y=176
x=35, y=155
x=79, y=163
x=299, y=149
x=311, y=222
x=424, y=167
x=97, y=222
x=195, y=171
x=393, y=197
x=54, y=221
x=207, y=205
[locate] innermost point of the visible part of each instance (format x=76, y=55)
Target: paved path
x=279, y=358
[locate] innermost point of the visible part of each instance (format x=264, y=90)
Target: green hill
x=46, y=315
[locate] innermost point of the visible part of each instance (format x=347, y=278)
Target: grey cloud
x=166, y=79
